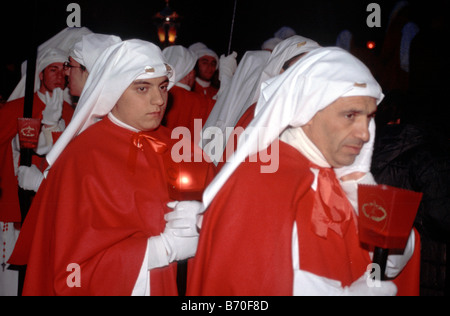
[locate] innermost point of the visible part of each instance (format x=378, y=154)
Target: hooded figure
x=121, y=243
x=90, y=47
x=82, y=58
x=291, y=230
x=182, y=59
x=53, y=114
x=87, y=51
x=104, y=87
x=184, y=106
x=233, y=103
x=63, y=41
x=236, y=107
x=200, y=50
x=207, y=65
x=49, y=110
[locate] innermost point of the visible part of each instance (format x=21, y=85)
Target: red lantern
x=28, y=130
x=386, y=217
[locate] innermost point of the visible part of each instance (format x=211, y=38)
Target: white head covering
x=90, y=47
x=199, y=49
x=64, y=41
x=233, y=103
x=45, y=58
x=285, y=50
x=116, y=68
x=254, y=68
x=182, y=59
x=194, y=48
x=293, y=99
x=48, y=57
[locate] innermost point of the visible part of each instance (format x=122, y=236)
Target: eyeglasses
x=67, y=66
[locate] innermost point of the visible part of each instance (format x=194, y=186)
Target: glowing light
x=370, y=45
x=185, y=180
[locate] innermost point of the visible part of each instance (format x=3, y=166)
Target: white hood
x=112, y=74
x=294, y=97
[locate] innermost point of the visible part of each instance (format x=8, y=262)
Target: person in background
x=54, y=113
x=82, y=58
x=242, y=102
x=205, y=68
x=184, y=105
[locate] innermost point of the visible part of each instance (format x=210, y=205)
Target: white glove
x=227, y=68
x=53, y=107
x=180, y=238
x=397, y=262
x=45, y=143
x=363, y=161
x=365, y=286
x=227, y=65
x=29, y=178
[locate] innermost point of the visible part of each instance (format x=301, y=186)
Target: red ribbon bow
x=138, y=141
x=332, y=210
x=158, y=146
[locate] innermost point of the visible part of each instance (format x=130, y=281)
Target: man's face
x=143, y=104
x=340, y=130
x=52, y=77
x=206, y=67
x=77, y=77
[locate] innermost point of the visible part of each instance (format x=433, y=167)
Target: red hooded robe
x=245, y=245
x=103, y=198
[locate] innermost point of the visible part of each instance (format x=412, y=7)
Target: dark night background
x=203, y=20
x=208, y=21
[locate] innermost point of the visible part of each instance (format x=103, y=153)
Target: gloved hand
x=46, y=140
x=364, y=286
x=227, y=65
x=184, y=217
x=53, y=107
x=363, y=161
x=227, y=68
x=180, y=237
x=397, y=262
x=29, y=178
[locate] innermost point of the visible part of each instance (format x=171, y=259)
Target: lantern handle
x=380, y=256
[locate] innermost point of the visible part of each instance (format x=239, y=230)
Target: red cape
x=184, y=107
x=97, y=209
x=9, y=200
x=245, y=243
